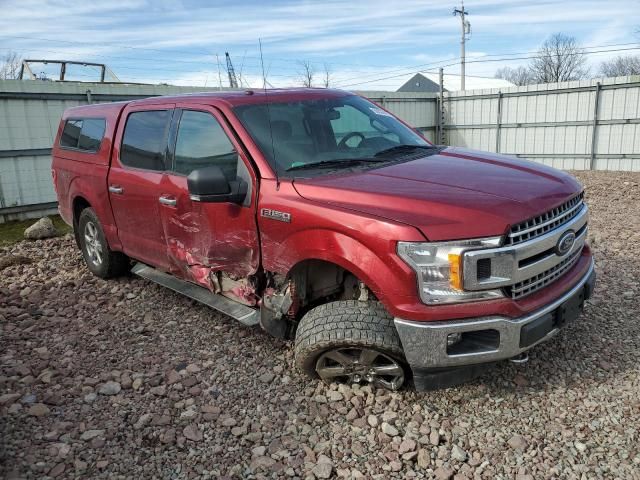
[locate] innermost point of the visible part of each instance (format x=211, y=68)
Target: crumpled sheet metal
x=195, y=253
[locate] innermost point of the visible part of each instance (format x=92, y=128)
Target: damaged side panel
x=212, y=244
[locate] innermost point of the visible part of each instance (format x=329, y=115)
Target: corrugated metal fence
x=572, y=125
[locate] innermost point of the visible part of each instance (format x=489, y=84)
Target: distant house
x=429, y=82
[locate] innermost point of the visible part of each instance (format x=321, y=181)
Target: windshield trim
x=365, y=167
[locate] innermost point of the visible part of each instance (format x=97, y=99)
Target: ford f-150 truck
x=323, y=218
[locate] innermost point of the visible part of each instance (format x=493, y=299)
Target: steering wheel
x=349, y=136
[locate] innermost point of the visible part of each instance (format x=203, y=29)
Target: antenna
x=240, y=81
x=219, y=76
x=266, y=97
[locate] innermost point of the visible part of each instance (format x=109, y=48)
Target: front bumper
x=485, y=339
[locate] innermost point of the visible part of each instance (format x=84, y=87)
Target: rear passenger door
x=137, y=169
x=205, y=237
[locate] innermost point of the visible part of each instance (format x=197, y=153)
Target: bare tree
x=620, y=66
x=10, y=66
x=560, y=59
x=518, y=76
x=327, y=77
x=307, y=73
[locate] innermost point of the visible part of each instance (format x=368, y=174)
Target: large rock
x=192, y=432
x=323, y=468
x=43, y=228
x=109, y=388
x=518, y=442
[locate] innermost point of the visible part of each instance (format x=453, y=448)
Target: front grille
x=546, y=222
x=530, y=285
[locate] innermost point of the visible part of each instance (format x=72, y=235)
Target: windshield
x=326, y=134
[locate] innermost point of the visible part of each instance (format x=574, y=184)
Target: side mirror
x=209, y=184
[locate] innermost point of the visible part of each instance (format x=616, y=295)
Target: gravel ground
x=125, y=379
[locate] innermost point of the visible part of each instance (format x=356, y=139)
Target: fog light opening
x=475, y=341
x=453, y=338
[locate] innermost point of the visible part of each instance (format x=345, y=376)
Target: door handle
x=164, y=200
x=116, y=189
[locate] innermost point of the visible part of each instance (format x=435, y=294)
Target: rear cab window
x=84, y=134
x=144, y=141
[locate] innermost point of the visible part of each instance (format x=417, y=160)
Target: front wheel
x=351, y=342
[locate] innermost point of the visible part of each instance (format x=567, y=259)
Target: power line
x=364, y=78
x=366, y=73
x=438, y=62
x=341, y=85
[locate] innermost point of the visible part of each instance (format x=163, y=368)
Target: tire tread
x=348, y=323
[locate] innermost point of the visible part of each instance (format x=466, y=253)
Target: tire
x=332, y=335
x=100, y=259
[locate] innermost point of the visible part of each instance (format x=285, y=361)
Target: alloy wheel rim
x=360, y=365
x=92, y=243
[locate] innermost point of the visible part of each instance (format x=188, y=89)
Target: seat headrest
x=281, y=129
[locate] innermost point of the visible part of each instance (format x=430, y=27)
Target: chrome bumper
x=488, y=339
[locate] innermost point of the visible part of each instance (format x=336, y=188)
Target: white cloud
x=168, y=41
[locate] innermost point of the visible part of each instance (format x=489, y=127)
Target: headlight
x=438, y=267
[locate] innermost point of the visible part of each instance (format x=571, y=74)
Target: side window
x=91, y=134
x=83, y=134
x=71, y=133
x=201, y=142
x=144, y=139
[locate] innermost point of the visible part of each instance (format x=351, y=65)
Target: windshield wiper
x=403, y=148
x=338, y=162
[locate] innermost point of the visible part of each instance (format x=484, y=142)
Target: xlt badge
x=276, y=215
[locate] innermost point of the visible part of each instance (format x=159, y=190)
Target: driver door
x=202, y=237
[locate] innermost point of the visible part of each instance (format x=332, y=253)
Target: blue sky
x=362, y=42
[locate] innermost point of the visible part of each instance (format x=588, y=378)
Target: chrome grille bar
x=550, y=220
x=511, y=264
x=522, y=267
x=522, y=289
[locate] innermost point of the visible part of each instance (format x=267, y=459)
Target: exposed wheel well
x=317, y=281
x=308, y=284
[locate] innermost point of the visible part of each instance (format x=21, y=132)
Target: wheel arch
x=78, y=204
x=339, y=249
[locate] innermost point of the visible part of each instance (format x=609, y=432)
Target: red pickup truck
x=323, y=218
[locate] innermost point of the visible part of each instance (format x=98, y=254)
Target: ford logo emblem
x=565, y=242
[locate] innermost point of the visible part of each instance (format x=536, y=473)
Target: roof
x=231, y=98
x=249, y=96
x=429, y=82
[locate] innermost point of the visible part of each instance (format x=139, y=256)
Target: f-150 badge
x=276, y=215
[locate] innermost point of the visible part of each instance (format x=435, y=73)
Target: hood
x=455, y=194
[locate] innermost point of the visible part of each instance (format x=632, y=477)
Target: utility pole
x=441, y=123
x=466, y=30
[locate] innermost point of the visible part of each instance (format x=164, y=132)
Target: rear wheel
x=351, y=342
x=100, y=259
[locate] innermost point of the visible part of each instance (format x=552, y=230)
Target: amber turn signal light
x=455, y=271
